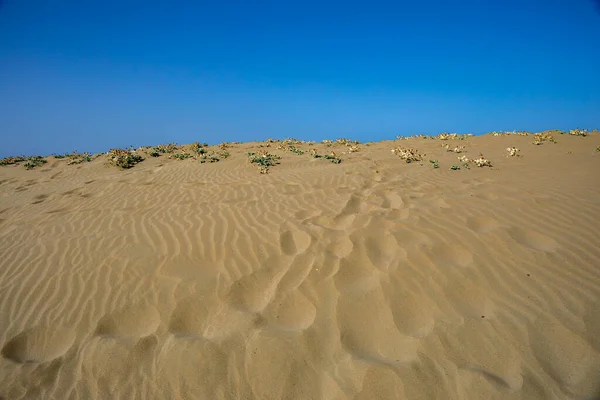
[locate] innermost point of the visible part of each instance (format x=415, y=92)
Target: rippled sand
x=371, y=279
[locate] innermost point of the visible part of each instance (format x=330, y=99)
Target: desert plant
x=124, y=158
x=541, y=137
x=12, y=160
x=181, y=156
x=263, y=160
x=434, y=163
x=454, y=167
x=409, y=155
x=333, y=158
x=512, y=151
x=578, y=132
x=34, y=161
x=77, y=158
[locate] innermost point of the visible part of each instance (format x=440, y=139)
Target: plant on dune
x=34, y=161
x=598, y=148
x=578, y=132
x=314, y=154
x=482, y=161
x=224, y=154
x=77, y=158
x=407, y=154
x=457, y=149
x=454, y=167
x=333, y=158
x=199, y=148
x=434, y=163
x=327, y=142
x=541, y=137
x=513, y=151
x=12, y=160
x=181, y=156
x=124, y=158
x=263, y=160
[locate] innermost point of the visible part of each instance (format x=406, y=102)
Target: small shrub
x=434, y=163
x=77, y=158
x=540, y=138
x=263, y=160
x=454, y=167
x=34, y=161
x=12, y=160
x=333, y=158
x=578, y=132
x=181, y=156
x=224, y=154
x=124, y=158
x=409, y=155
x=512, y=151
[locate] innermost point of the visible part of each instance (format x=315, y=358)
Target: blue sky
x=89, y=76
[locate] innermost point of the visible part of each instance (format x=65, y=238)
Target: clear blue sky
x=94, y=75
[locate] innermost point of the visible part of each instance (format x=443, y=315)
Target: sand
x=369, y=279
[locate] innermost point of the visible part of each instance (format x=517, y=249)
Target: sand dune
x=369, y=279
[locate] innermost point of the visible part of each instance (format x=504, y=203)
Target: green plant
x=77, y=158
x=333, y=158
x=455, y=167
x=264, y=160
x=124, y=158
x=224, y=154
x=199, y=148
x=181, y=156
x=409, y=155
x=34, y=161
x=598, y=148
x=434, y=163
x=59, y=156
x=12, y=160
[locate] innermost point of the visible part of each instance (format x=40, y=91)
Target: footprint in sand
x=39, y=344
x=129, y=322
x=209, y=318
x=451, y=255
x=575, y=366
x=294, y=241
x=483, y=224
x=533, y=239
x=368, y=329
x=292, y=312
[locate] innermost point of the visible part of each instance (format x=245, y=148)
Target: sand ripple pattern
x=364, y=280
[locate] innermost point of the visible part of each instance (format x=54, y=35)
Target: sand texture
x=369, y=279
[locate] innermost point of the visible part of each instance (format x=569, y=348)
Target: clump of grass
x=199, y=148
x=452, y=136
x=578, y=132
x=454, y=167
x=59, y=156
x=34, y=161
x=211, y=158
x=513, y=151
x=124, y=158
x=333, y=158
x=263, y=160
x=481, y=161
x=407, y=154
x=224, y=154
x=314, y=154
x=541, y=137
x=434, y=163
x=291, y=148
x=456, y=149
x=327, y=142
x=12, y=160
x=181, y=156
x=598, y=148
x=78, y=158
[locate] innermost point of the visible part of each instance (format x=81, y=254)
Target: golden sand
x=373, y=278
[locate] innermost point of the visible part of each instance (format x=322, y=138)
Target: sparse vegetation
x=181, y=156
x=78, y=158
x=434, y=163
x=263, y=160
x=333, y=158
x=34, y=161
x=12, y=160
x=541, y=137
x=454, y=167
x=578, y=132
x=124, y=158
x=407, y=154
x=513, y=151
